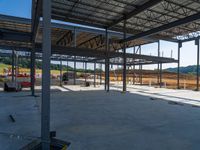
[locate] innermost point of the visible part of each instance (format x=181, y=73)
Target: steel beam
x=12, y=35
x=165, y=27
x=189, y=39
x=46, y=46
x=36, y=12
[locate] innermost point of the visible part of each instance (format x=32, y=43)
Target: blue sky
x=22, y=8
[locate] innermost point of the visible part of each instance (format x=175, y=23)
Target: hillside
x=185, y=70
x=25, y=63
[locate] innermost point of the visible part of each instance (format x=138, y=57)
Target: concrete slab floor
x=92, y=119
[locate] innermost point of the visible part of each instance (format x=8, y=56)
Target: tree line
x=25, y=63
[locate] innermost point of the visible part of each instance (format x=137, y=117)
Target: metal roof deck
x=142, y=15
x=62, y=35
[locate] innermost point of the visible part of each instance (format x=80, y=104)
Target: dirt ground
x=169, y=80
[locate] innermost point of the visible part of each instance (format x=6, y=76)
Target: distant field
x=169, y=80
x=25, y=70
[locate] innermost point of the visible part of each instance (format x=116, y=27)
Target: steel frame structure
x=103, y=28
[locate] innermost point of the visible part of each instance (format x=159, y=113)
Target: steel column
x=133, y=67
x=16, y=67
x=160, y=75
x=83, y=69
x=100, y=74
x=68, y=70
x=124, y=58
x=105, y=72
x=85, y=72
x=46, y=47
x=74, y=70
x=140, y=66
x=33, y=69
x=117, y=72
x=178, y=70
x=107, y=64
x=13, y=61
x=197, y=43
x=60, y=72
x=95, y=74
x=74, y=45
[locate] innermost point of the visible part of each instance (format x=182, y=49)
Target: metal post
x=13, y=61
x=108, y=74
x=74, y=70
x=158, y=80
x=107, y=66
x=60, y=71
x=197, y=43
x=85, y=72
x=16, y=67
x=33, y=69
x=178, y=70
x=46, y=48
x=117, y=72
x=105, y=74
x=32, y=66
x=124, y=58
x=83, y=68
x=133, y=67
x=160, y=75
x=140, y=66
x=74, y=45
x=95, y=74
x=100, y=74
x=67, y=70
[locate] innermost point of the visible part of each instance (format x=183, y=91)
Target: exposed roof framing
x=142, y=15
x=66, y=39
x=164, y=27
x=61, y=34
x=137, y=10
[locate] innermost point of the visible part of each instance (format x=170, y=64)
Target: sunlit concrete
x=91, y=119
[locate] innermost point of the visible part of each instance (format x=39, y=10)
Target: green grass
x=2, y=66
x=27, y=70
